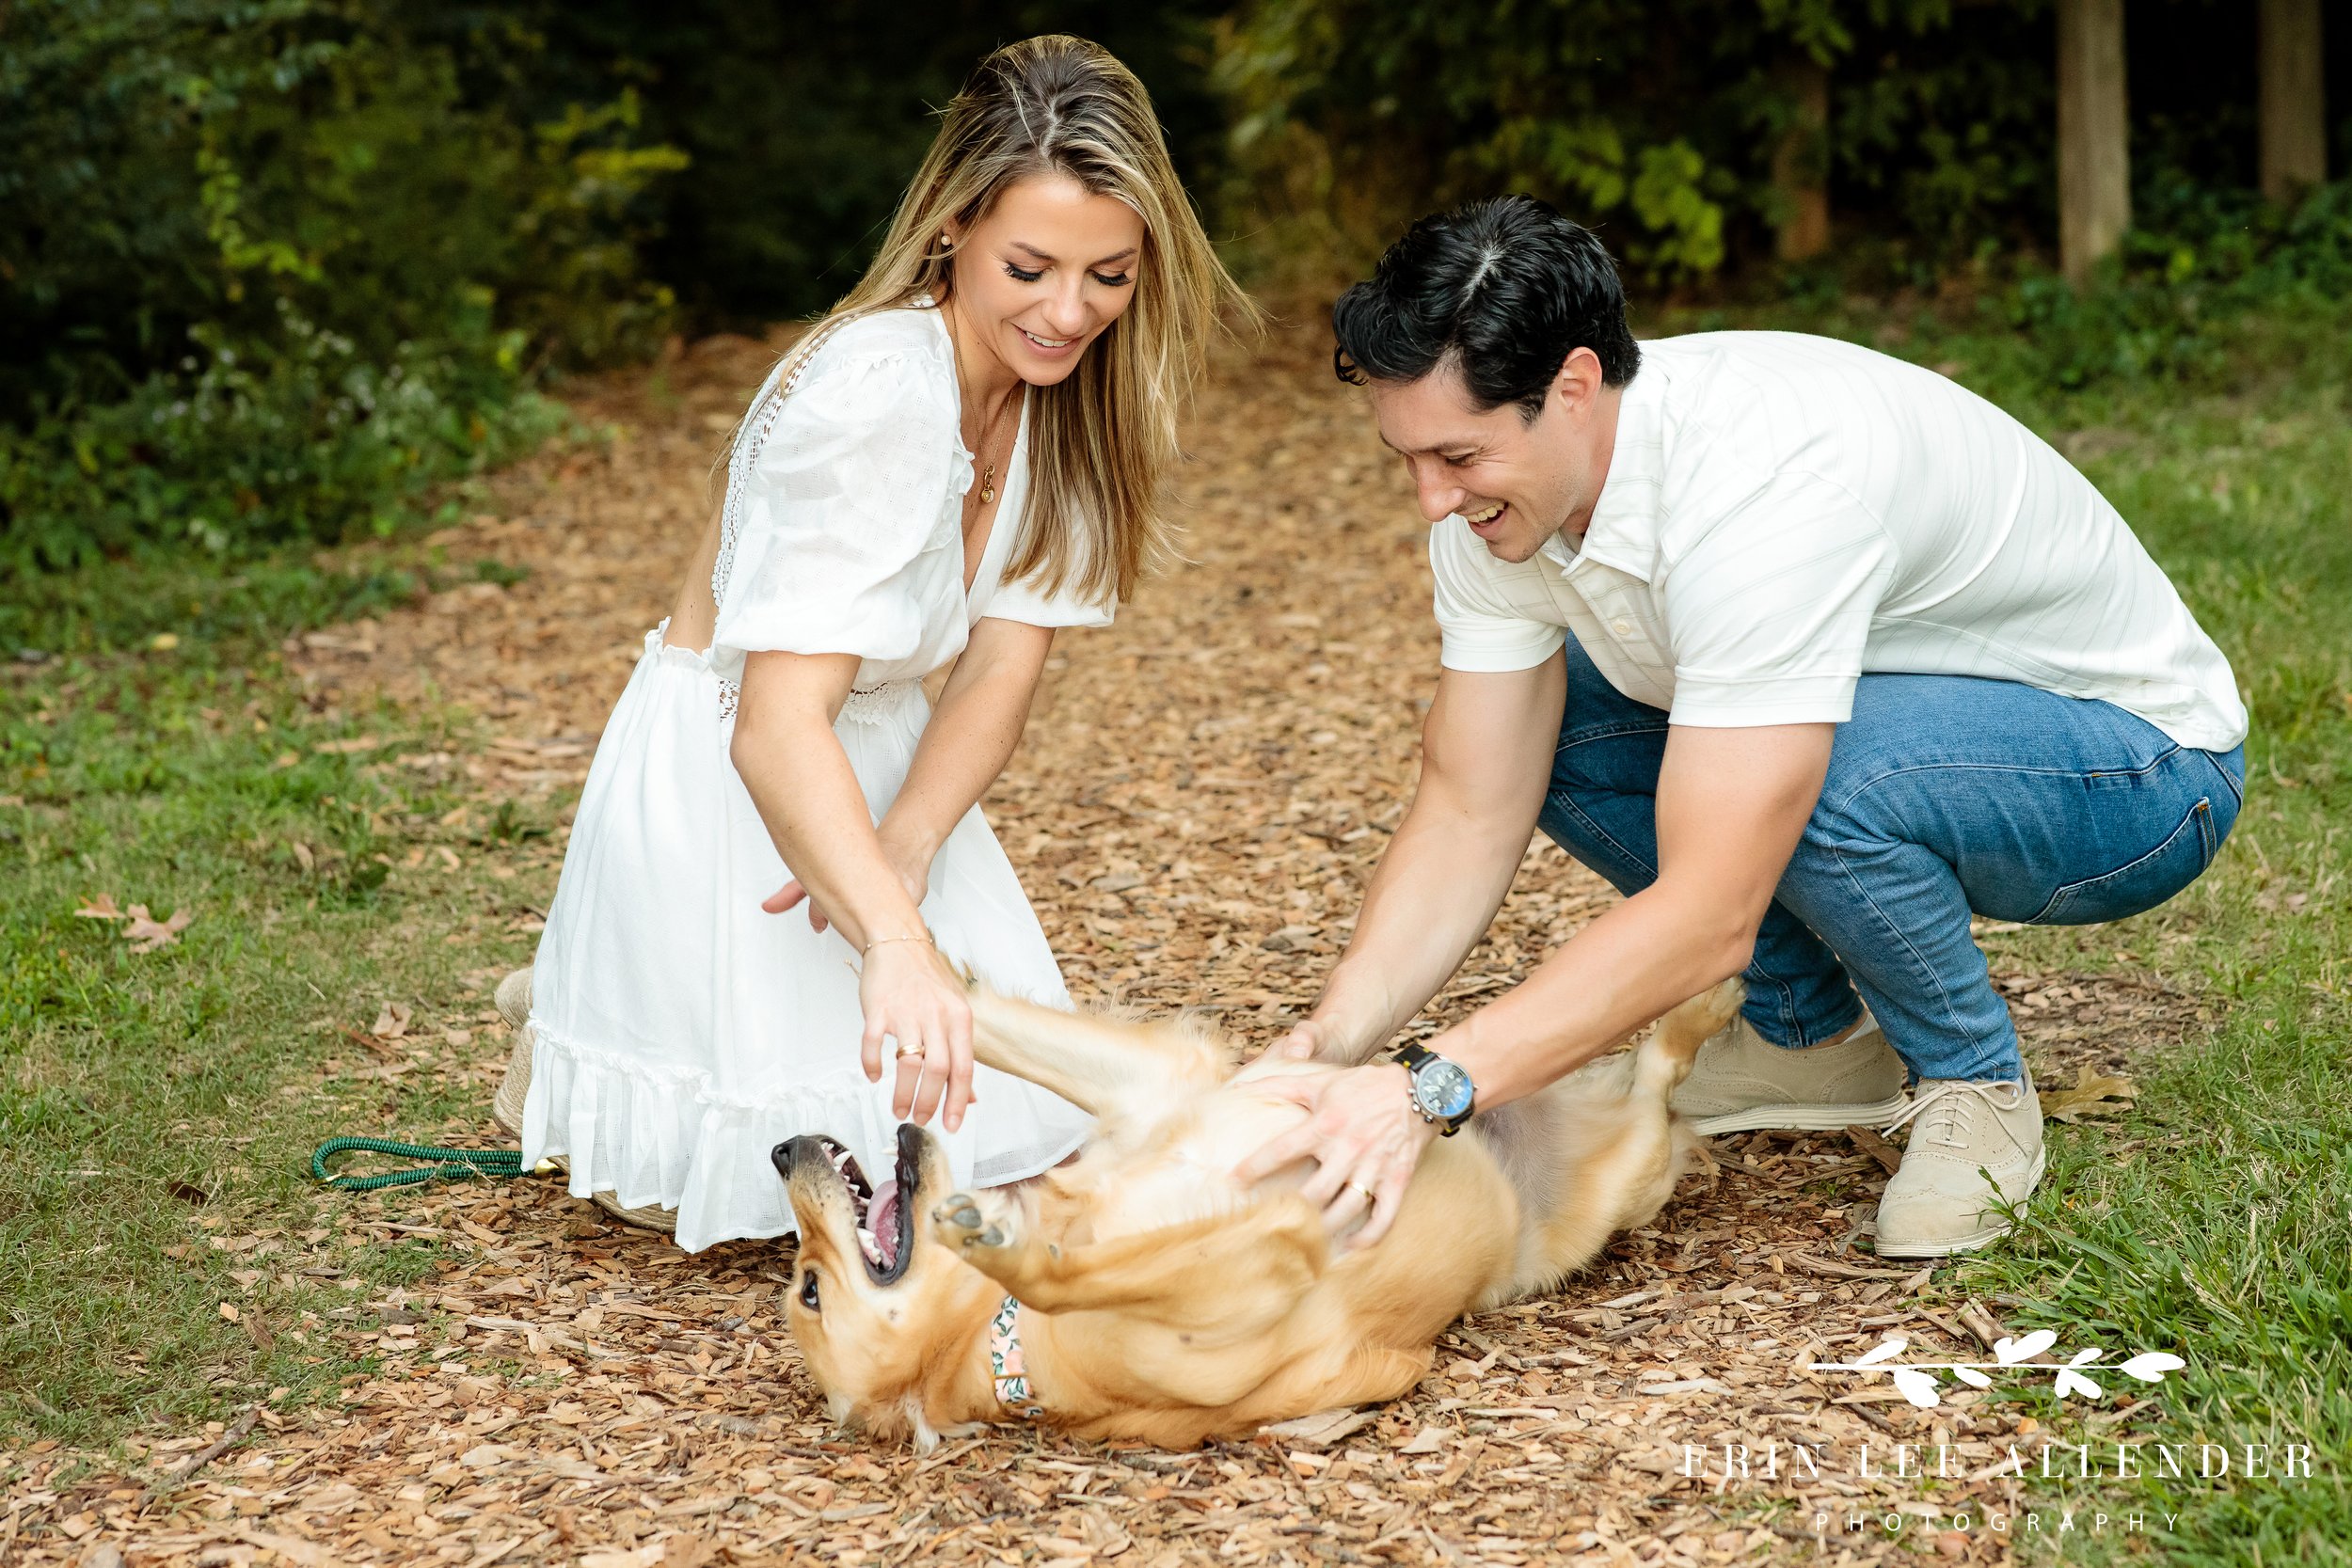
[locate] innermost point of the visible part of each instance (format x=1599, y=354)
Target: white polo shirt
x=1784, y=513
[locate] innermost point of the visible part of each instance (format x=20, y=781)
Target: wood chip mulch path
x=1202, y=796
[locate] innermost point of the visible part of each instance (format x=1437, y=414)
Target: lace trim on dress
x=865, y=705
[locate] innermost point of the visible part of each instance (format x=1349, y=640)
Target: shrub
x=268, y=267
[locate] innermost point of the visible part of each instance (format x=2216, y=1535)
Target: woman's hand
x=913, y=868
x=909, y=995
x=1363, y=1135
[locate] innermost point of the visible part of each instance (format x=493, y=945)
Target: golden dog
x=1158, y=1299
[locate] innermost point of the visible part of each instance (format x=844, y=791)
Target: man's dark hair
x=1502, y=290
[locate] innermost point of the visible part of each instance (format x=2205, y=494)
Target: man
x=1811, y=653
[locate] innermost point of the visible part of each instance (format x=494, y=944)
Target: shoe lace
x=1954, y=1103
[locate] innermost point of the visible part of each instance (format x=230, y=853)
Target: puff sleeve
x=849, y=488
x=1024, y=601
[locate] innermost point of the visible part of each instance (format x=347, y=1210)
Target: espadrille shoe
x=514, y=1004
x=663, y=1220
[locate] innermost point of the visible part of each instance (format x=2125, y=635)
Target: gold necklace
x=987, y=474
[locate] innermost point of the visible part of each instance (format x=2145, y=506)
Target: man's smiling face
x=1516, y=481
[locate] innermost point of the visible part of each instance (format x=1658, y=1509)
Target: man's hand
x=1364, y=1136
x=1309, y=1040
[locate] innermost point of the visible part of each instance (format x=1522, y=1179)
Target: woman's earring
x=946, y=241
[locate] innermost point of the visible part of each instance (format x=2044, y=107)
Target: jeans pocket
x=2140, y=885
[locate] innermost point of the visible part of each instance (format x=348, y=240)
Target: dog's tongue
x=881, y=1219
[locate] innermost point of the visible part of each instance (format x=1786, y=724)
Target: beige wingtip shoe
x=1741, y=1082
x=1971, y=1141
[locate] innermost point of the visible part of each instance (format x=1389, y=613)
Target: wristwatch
x=1442, y=1091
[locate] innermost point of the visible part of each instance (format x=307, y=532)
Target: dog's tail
x=1664, y=1059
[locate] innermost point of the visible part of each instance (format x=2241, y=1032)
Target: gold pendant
x=988, y=486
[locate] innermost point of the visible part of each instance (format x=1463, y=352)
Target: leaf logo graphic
x=1916, y=1380
x=2071, y=1381
x=1917, y=1386
x=2150, y=1366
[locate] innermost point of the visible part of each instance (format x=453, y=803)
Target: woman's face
x=1039, y=278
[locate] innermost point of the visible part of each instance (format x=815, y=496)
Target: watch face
x=1443, y=1089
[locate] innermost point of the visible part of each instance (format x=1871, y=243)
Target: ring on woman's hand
x=1370, y=1197
x=905, y=1050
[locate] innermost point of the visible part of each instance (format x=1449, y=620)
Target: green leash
x=449, y=1165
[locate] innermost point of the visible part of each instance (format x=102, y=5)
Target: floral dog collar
x=1007, y=1364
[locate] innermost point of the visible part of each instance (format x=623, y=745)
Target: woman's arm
x=970, y=736
x=966, y=746
x=800, y=778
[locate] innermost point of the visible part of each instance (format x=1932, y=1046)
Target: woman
x=964, y=456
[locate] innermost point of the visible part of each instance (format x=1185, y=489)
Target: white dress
x=680, y=1033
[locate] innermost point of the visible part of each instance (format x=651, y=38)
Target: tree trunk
x=1801, y=162
x=2293, y=113
x=2094, y=145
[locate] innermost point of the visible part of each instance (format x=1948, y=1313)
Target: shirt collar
x=1623, y=531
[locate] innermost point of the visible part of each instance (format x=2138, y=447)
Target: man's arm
x=1485, y=758
x=1731, y=805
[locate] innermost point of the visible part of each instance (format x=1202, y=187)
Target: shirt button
x=1622, y=627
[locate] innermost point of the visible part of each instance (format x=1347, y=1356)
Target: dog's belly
x=1186, y=1174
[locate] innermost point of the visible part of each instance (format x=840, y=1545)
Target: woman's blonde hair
x=1101, y=441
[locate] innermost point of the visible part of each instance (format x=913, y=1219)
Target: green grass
x=156, y=1109
x=131, y=1083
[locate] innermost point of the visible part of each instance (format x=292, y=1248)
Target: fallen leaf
x=2092, y=1094
x=146, y=933
x=100, y=908
x=1870, y=1142
x=391, y=1021
x=188, y=1192
x=309, y=1554
x=228, y=1310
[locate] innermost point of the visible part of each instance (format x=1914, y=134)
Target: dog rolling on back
x=1142, y=1294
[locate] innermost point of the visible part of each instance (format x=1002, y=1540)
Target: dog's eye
x=808, y=1289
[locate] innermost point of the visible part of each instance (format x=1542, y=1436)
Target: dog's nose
x=789, y=1153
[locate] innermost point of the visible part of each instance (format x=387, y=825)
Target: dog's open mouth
x=883, y=1216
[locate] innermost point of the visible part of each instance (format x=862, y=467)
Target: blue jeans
x=1945, y=794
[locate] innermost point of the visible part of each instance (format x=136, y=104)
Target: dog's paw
x=970, y=1221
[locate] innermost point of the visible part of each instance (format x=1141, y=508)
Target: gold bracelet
x=878, y=941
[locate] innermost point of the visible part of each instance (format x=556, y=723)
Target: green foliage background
x=273, y=270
